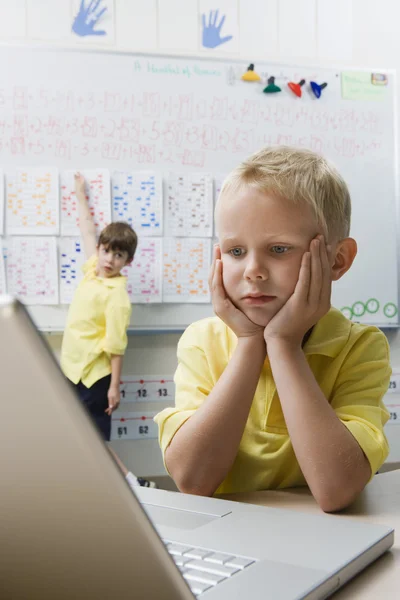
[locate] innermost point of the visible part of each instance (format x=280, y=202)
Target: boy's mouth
x=258, y=299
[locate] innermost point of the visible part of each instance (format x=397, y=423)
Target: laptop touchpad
x=172, y=517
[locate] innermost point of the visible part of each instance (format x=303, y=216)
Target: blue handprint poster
x=219, y=26
x=93, y=21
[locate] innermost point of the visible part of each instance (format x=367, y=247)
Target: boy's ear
x=344, y=255
x=128, y=262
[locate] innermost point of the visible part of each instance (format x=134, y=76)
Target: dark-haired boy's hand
x=223, y=306
x=113, y=399
x=80, y=185
x=310, y=300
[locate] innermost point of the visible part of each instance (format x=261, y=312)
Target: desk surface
x=379, y=503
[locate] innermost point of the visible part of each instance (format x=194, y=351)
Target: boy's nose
x=256, y=270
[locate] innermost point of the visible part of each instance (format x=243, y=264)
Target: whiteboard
x=82, y=110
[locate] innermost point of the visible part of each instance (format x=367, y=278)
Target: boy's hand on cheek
x=310, y=300
x=223, y=306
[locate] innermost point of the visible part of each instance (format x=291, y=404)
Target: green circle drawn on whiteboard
x=372, y=306
x=346, y=310
x=358, y=309
x=390, y=310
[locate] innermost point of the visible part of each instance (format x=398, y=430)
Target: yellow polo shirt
x=351, y=365
x=96, y=326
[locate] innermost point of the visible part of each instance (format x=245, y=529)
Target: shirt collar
x=330, y=335
x=89, y=270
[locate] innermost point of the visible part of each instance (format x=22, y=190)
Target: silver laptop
x=71, y=528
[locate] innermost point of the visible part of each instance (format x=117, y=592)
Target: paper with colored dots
x=71, y=261
x=189, y=205
x=144, y=274
x=98, y=196
x=186, y=264
x=137, y=199
x=32, y=269
x=32, y=202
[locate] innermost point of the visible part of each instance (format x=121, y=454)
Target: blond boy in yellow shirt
x=279, y=389
x=95, y=337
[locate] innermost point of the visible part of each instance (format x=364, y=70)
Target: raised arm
x=86, y=224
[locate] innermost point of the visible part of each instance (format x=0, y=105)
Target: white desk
x=379, y=503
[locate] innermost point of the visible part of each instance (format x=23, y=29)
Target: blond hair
x=300, y=176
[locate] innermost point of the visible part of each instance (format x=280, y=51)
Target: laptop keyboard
x=204, y=569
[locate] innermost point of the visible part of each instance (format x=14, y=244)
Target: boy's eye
x=279, y=249
x=236, y=252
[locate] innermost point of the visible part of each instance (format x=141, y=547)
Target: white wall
x=361, y=33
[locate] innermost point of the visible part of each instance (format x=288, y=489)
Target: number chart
x=71, y=260
x=137, y=199
x=186, y=267
x=134, y=388
x=189, y=205
x=32, y=202
x=98, y=197
x=133, y=425
x=31, y=268
x=392, y=399
x=144, y=274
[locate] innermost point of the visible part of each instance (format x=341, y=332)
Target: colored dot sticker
x=390, y=310
x=348, y=313
x=358, y=309
x=372, y=305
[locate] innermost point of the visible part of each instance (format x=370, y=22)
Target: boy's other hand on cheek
x=223, y=306
x=113, y=399
x=310, y=301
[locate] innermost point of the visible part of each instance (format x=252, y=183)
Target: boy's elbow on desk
x=334, y=499
x=185, y=481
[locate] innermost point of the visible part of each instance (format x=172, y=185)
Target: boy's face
x=262, y=241
x=110, y=262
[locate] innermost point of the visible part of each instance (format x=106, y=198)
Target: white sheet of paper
x=32, y=269
x=50, y=20
x=137, y=198
x=12, y=19
x=147, y=388
x=335, y=30
x=136, y=24
x=297, y=29
x=144, y=274
x=133, y=425
x=189, y=205
x=71, y=260
x=258, y=26
x=1, y=202
x=98, y=195
x=178, y=32
x=3, y=287
x=186, y=264
x=32, y=201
